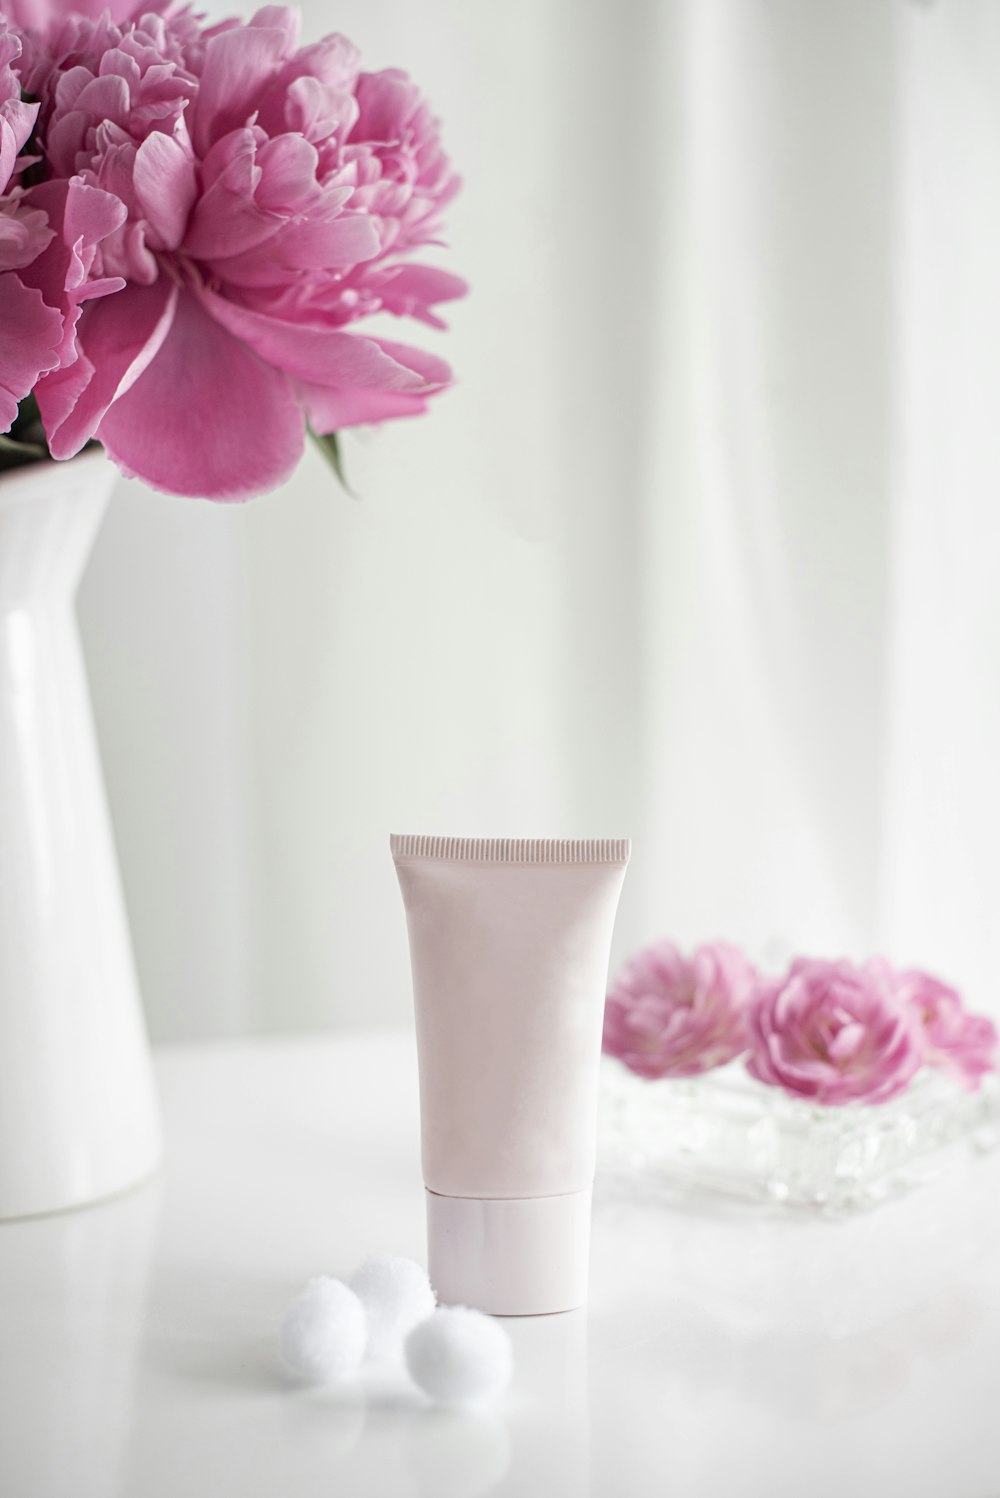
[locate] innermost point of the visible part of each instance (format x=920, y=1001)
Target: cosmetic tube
x=509, y=945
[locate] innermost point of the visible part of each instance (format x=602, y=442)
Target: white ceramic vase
x=78, y=1111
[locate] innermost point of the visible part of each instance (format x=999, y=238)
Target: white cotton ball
x=324, y=1332
x=396, y=1295
x=459, y=1356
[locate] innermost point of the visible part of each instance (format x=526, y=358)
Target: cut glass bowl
x=728, y=1134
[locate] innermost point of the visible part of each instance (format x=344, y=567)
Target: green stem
x=329, y=446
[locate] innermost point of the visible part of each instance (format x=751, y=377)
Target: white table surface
x=724, y=1354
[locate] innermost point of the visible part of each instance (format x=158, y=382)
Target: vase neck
x=49, y=516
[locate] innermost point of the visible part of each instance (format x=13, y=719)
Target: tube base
x=527, y=1256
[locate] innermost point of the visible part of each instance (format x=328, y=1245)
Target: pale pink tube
x=509, y=943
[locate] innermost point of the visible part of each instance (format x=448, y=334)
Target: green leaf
x=25, y=442
x=329, y=446
x=16, y=454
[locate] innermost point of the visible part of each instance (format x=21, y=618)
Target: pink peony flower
x=268, y=192
x=672, y=1016
x=32, y=331
x=834, y=1032
x=960, y=1043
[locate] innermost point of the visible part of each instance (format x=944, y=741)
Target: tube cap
x=525, y=1256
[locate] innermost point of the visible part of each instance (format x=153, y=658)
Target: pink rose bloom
x=267, y=192
x=960, y=1043
x=834, y=1032
x=673, y=1016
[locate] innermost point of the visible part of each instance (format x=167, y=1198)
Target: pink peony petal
x=15, y=126
x=331, y=410
x=70, y=86
x=310, y=244
x=31, y=336
x=36, y=15
x=288, y=173
x=207, y=417
x=307, y=108
x=237, y=66
x=167, y=186
x=8, y=152
x=437, y=374
x=17, y=118
x=280, y=17
x=386, y=101
x=82, y=216
x=108, y=97
x=118, y=336
x=24, y=234
x=227, y=219
x=322, y=356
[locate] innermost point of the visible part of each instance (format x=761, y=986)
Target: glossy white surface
x=724, y=1353
x=78, y=1114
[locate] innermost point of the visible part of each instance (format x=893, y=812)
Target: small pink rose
x=834, y=1032
x=673, y=1016
x=961, y=1044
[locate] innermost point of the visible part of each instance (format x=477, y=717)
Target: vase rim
x=48, y=473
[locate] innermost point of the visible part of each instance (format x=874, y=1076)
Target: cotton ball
x=459, y=1356
x=396, y=1295
x=324, y=1332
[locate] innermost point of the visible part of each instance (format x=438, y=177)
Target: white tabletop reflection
x=727, y=1352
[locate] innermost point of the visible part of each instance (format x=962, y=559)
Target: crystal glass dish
x=728, y=1134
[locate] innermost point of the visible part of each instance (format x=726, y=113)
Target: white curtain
x=702, y=548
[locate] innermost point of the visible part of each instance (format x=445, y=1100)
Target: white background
x=701, y=549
